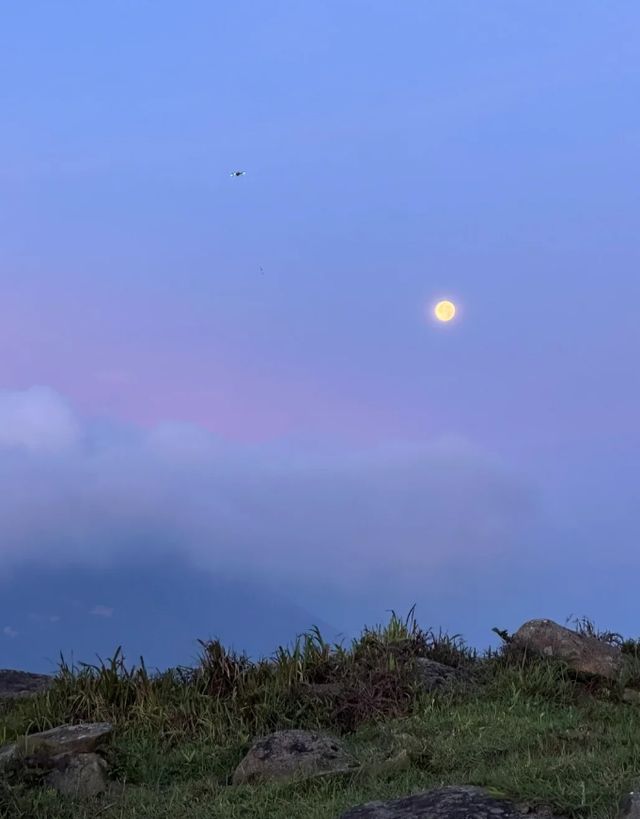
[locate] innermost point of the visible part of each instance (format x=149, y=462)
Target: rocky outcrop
x=293, y=754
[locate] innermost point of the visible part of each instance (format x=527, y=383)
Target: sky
x=226, y=408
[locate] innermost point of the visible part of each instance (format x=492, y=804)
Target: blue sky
x=241, y=379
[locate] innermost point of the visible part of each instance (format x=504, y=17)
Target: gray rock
x=78, y=775
x=82, y=738
x=452, y=802
x=62, y=758
x=582, y=653
x=630, y=806
x=292, y=754
x=433, y=675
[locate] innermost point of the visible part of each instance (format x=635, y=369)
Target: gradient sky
x=224, y=405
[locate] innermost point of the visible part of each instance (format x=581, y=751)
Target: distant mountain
x=157, y=610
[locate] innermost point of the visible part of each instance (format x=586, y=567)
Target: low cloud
x=36, y=420
x=79, y=491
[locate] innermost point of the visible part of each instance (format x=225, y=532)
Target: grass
x=533, y=730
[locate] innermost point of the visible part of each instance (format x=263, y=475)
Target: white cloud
x=9, y=632
x=350, y=519
x=37, y=420
x=101, y=611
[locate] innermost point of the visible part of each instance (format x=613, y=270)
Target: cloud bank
x=81, y=491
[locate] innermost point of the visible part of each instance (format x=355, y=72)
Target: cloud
x=327, y=516
x=37, y=420
x=101, y=611
x=9, y=632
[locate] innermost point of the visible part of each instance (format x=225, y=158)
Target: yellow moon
x=445, y=310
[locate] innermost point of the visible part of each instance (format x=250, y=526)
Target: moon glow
x=445, y=310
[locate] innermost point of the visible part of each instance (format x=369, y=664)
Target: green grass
x=533, y=730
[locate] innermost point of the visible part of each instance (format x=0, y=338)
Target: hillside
x=549, y=726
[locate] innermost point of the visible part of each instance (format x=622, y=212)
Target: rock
x=79, y=775
x=79, y=739
x=290, y=754
x=630, y=806
x=583, y=654
x=62, y=758
x=22, y=683
x=453, y=802
x=433, y=675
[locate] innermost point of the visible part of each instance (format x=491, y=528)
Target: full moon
x=445, y=310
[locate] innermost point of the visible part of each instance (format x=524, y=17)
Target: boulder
x=432, y=675
x=63, y=758
x=79, y=739
x=78, y=775
x=583, y=654
x=630, y=806
x=452, y=802
x=293, y=754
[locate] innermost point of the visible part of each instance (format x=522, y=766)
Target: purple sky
x=218, y=381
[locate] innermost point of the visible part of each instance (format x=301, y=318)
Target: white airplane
x=237, y=173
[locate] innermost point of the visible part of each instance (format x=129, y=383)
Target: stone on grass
x=582, y=653
x=81, y=738
x=78, y=775
x=433, y=675
x=453, y=802
x=292, y=754
x=62, y=758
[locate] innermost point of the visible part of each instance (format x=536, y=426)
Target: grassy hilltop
x=532, y=730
